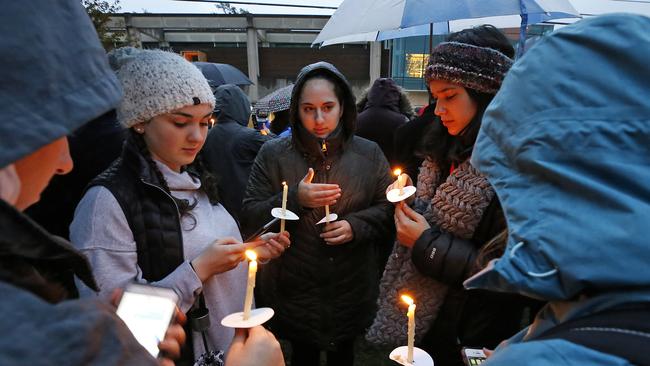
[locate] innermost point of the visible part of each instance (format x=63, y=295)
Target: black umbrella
x=219, y=74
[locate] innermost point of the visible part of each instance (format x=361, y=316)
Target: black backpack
x=622, y=331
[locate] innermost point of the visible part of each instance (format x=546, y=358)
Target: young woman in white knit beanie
x=154, y=215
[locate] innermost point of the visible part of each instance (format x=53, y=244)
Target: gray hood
x=46, y=89
x=232, y=105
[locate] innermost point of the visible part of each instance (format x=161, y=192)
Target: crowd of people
x=529, y=220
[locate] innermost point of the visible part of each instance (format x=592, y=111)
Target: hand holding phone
x=261, y=230
x=148, y=311
x=473, y=356
x=270, y=245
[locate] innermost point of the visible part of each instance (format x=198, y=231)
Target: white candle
x=327, y=214
x=285, y=192
x=401, y=180
x=250, y=285
x=411, y=327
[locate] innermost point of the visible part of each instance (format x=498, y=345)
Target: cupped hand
x=337, y=233
x=254, y=347
x=314, y=195
x=409, y=224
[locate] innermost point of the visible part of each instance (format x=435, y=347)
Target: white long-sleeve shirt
x=100, y=230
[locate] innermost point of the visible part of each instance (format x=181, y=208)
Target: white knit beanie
x=156, y=82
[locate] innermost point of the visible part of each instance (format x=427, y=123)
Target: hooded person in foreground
x=566, y=146
x=55, y=78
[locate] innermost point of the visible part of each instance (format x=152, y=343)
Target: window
x=194, y=56
x=409, y=60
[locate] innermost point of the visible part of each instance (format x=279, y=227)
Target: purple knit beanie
x=473, y=67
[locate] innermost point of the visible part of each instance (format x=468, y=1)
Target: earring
x=139, y=130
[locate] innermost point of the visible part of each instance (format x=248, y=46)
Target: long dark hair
x=196, y=169
x=437, y=144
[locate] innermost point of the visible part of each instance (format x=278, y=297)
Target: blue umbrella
x=355, y=17
x=219, y=74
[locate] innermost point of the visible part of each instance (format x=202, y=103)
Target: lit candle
x=411, y=327
x=401, y=180
x=285, y=191
x=250, y=285
x=327, y=214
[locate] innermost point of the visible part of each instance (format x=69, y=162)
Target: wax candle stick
x=411, y=327
x=327, y=214
x=250, y=285
x=285, y=191
x=401, y=180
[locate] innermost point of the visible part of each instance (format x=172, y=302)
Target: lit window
x=415, y=63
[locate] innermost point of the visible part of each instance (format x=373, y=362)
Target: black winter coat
x=382, y=116
x=407, y=141
x=322, y=294
x=231, y=147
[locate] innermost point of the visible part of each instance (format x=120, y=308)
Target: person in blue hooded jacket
x=55, y=78
x=566, y=146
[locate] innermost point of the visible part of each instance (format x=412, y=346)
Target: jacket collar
x=24, y=238
x=320, y=149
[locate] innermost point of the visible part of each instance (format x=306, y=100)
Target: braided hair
x=196, y=169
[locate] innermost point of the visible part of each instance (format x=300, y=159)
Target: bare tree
x=229, y=9
x=100, y=12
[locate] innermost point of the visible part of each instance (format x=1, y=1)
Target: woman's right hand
x=220, y=256
x=314, y=195
x=255, y=346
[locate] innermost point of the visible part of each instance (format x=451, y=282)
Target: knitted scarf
x=455, y=205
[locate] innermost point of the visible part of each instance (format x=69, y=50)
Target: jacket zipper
x=178, y=211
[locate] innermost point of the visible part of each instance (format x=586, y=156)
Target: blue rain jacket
x=566, y=145
x=59, y=79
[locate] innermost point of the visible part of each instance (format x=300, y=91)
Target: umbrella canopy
x=506, y=21
x=363, y=16
x=219, y=74
x=278, y=100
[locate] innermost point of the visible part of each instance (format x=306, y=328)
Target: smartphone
x=473, y=356
x=148, y=311
x=262, y=230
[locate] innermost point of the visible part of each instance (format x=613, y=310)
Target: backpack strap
x=622, y=331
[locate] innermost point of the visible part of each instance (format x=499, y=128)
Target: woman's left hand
x=337, y=233
x=409, y=224
x=270, y=245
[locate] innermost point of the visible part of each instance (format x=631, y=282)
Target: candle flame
x=251, y=255
x=284, y=183
x=397, y=171
x=407, y=299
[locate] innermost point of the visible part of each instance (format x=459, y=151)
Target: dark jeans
x=303, y=354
